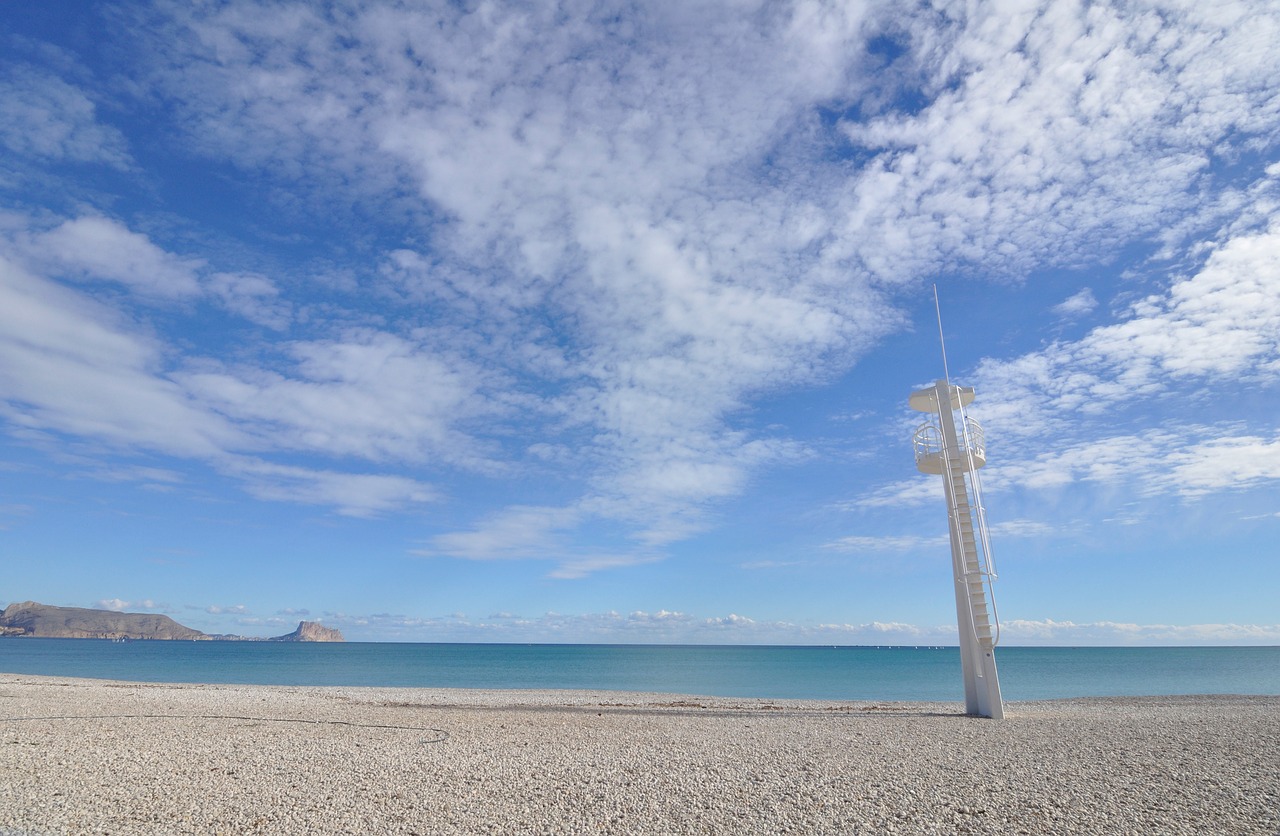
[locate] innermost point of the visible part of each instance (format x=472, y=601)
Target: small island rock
x=310, y=631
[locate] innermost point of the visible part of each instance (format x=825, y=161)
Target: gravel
x=85, y=756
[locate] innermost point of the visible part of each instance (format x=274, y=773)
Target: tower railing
x=928, y=441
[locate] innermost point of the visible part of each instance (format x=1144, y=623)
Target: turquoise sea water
x=842, y=673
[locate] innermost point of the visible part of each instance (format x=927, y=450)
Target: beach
x=91, y=756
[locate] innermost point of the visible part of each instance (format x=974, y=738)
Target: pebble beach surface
x=86, y=756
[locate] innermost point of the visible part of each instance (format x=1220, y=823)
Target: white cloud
x=42, y=115
x=772, y=564
x=1221, y=324
x=96, y=247
x=515, y=532
x=1222, y=321
x=366, y=393
x=1114, y=459
x=74, y=366
x=236, y=609
x=1022, y=528
x=256, y=298
x=352, y=494
x=580, y=567
x=1049, y=631
x=1051, y=416
x=1226, y=463
x=1053, y=131
x=532, y=532
x=1184, y=460
x=156, y=476
x=120, y=605
x=906, y=492
x=860, y=544
x=893, y=543
x=1078, y=304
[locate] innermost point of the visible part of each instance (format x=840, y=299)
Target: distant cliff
x=309, y=631
x=42, y=621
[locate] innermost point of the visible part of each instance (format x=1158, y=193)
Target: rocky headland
x=29, y=619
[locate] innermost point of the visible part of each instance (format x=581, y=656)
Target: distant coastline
x=34, y=620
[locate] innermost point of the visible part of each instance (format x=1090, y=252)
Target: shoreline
x=83, y=755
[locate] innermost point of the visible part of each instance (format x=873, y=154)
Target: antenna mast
x=942, y=341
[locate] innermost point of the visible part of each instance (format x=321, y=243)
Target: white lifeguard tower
x=951, y=445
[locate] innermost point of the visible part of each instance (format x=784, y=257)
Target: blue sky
x=597, y=322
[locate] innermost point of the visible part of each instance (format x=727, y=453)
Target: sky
x=596, y=322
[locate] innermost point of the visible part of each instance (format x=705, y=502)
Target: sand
x=84, y=756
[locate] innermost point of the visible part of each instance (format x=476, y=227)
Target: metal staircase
x=969, y=520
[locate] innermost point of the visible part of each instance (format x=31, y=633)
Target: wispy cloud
x=45, y=116
x=874, y=544
x=219, y=609
x=891, y=543
x=515, y=532
x=11, y=512
x=1078, y=304
x=73, y=365
x=120, y=605
x=1226, y=463
x=95, y=247
x=1218, y=326
x=580, y=567
x=364, y=393
x=1221, y=324
x=353, y=494
x=533, y=532
x=254, y=297
x=1049, y=631
x=1050, y=131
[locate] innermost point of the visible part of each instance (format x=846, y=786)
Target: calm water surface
x=852, y=673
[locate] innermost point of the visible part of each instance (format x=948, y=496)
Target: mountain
x=39, y=620
x=42, y=621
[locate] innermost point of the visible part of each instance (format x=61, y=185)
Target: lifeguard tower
x=950, y=444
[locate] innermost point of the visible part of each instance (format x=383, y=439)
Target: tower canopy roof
x=926, y=400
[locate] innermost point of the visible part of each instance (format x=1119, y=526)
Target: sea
x=827, y=673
